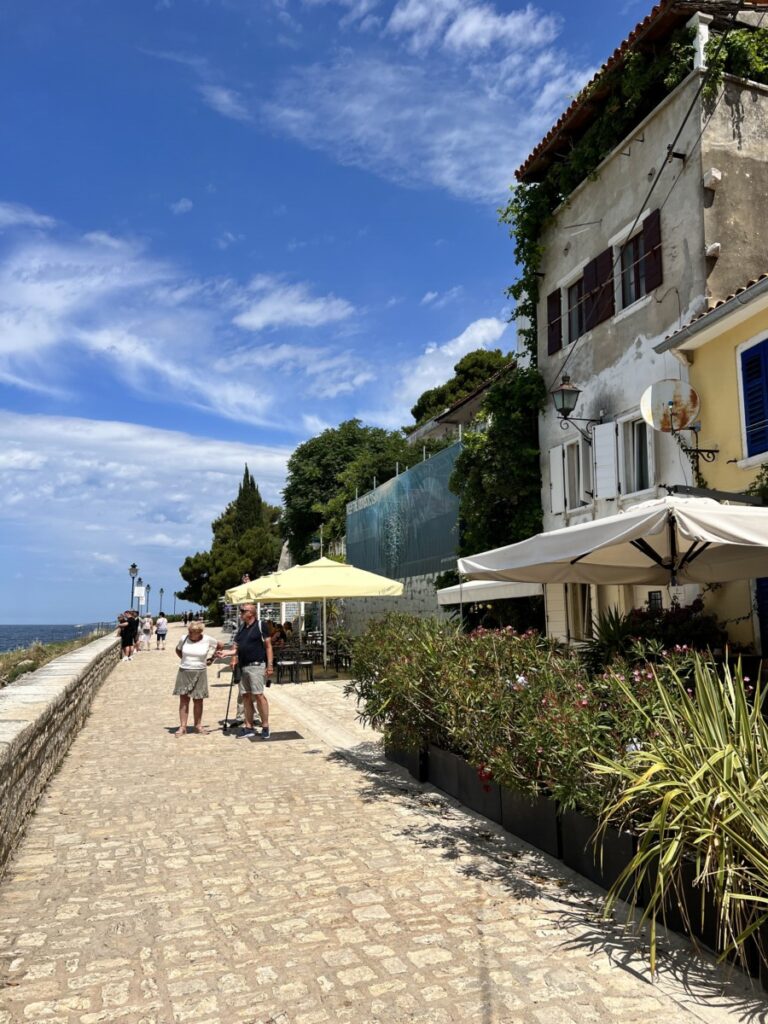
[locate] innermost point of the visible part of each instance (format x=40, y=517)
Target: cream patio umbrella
x=320, y=580
x=244, y=591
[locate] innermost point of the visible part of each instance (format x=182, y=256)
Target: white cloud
x=226, y=102
x=280, y=304
x=438, y=301
x=427, y=124
x=434, y=366
x=18, y=215
x=106, y=297
x=182, y=205
x=466, y=28
x=227, y=238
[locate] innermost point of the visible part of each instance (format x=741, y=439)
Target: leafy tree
x=469, y=373
x=246, y=539
x=497, y=475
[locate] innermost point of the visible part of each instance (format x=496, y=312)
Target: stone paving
x=209, y=880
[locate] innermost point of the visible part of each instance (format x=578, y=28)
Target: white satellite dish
x=669, y=405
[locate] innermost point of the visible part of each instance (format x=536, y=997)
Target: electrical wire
x=708, y=70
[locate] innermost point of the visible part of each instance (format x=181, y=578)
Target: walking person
x=195, y=651
x=125, y=632
x=161, y=631
x=146, y=632
x=254, y=656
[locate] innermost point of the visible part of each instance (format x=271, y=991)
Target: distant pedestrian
x=146, y=632
x=184, y=618
x=128, y=630
x=161, y=631
x=196, y=651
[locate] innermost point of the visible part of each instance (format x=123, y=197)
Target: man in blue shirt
x=254, y=656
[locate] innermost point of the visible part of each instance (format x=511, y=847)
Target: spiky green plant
x=697, y=791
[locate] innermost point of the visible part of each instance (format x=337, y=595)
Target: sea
x=14, y=637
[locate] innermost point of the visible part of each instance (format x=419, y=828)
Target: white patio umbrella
x=670, y=540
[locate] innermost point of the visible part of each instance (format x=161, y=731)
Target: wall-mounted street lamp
x=565, y=398
x=132, y=572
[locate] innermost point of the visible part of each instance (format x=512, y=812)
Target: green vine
x=743, y=53
x=625, y=96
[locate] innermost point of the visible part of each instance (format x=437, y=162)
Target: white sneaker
x=124, y=659
x=131, y=658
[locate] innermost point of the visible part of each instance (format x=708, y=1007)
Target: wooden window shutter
x=755, y=384
x=604, y=454
x=554, y=323
x=604, y=296
x=557, y=479
x=652, y=250
x=590, y=287
x=598, y=290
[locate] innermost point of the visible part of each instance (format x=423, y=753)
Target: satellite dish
x=669, y=405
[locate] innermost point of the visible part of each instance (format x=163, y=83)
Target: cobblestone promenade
x=209, y=880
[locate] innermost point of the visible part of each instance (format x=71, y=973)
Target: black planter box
x=415, y=761
x=683, y=909
x=483, y=797
x=577, y=832
x=444, y=769
x=533, y=819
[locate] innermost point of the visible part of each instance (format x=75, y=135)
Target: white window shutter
x=604, y=449
x=587, y=472
x=649, y=437
x=556, y=480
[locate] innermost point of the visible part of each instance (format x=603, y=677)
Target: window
x=578, y=474
x=632, y=271
x=579, y=610
x=754, y=383
x=575, y=302
x=636, y=448
x=570, y=476
x=655, y=603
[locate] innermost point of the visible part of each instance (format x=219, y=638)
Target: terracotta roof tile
x=712, y=305
x=664, y=16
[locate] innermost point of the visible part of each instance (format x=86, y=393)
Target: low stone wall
x=40, y=716
x=419, y=598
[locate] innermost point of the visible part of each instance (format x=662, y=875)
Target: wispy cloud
x=439, y=300
x=101, y=298
x=226, y=102
x=181, y=206
x=433, y=367
x=18, y=215
x=279, y=304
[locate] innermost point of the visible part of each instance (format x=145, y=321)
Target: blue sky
x=226, y=224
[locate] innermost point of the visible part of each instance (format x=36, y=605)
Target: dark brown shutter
x=598, y=290
x=590, y=288
x=554, y=323
x=604, y=297
x=652, y=250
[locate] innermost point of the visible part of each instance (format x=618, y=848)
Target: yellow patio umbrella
x=320, y=580
x=244, y=591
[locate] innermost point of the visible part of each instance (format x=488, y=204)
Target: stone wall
x=40, y=716
x=419, y=598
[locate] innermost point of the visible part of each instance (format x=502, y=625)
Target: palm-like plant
x=697, y=792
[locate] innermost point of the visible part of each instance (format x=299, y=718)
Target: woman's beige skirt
x=192, y=682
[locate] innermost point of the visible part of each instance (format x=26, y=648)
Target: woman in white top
x=195, y=651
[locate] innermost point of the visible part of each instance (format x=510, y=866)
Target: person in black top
x=254, y=656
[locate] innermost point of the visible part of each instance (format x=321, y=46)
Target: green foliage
x=17, y=663
x=246, y=539
x=695, y=789
x=497, y=474
x=474, y=369
x=642, y=630
x=625, y=96
x=759, y=486
x=742, y=52
x=326, y=472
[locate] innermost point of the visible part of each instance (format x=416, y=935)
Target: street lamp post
x=148, y=588
x=139, y=583
x=162, y=591
x=174, y=602
x=132, y=570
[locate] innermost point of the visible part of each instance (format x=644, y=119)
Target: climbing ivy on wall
x=743, y=52
x=626, y=96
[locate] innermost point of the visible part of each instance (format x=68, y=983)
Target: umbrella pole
x=325, y=637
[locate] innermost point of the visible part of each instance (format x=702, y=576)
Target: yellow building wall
x=715, y=376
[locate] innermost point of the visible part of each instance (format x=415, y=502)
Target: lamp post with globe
x=132, y=572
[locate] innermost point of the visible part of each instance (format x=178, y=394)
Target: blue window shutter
x=755, y=383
